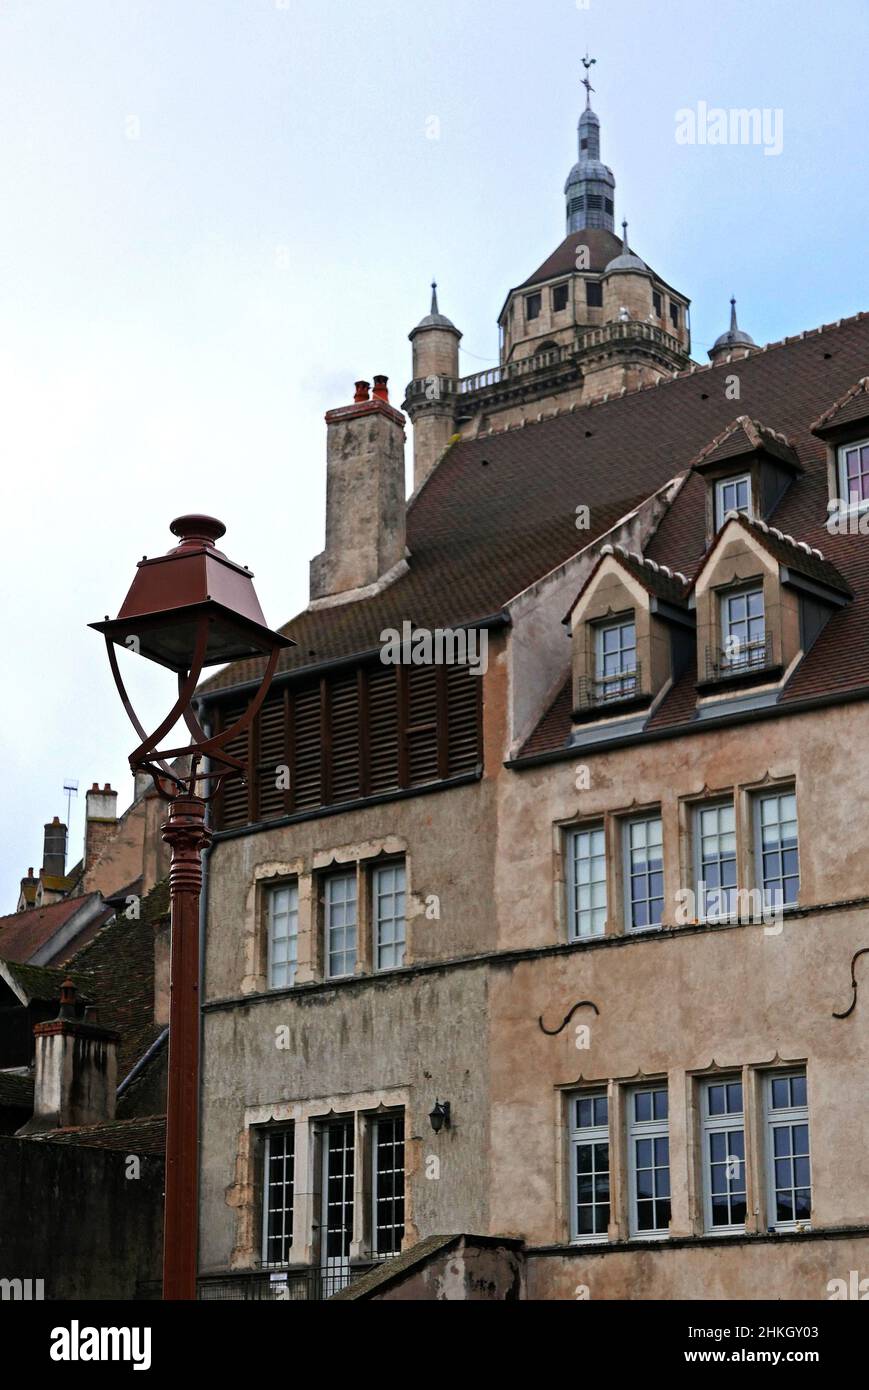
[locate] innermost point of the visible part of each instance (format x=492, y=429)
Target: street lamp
x=186, y=610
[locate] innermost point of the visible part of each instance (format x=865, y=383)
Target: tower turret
x=734, y=343
x=430, y=400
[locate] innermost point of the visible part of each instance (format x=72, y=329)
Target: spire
x=435, y=319
x=434, y=297
x=734, y=340
x=590, y=184
x=733, y=324
x=625, y=250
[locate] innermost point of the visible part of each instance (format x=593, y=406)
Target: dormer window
x=617, y=676
x=732, y=495
x=854, y=473
x=743, y=630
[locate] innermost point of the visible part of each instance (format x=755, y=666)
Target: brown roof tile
x=140, y=1135
x=22, y=934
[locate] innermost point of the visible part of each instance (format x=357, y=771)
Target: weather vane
x=588, y=63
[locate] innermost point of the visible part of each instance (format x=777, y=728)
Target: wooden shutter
x=421, y=729
x=464, y=719
x=382, y=729
x=343, y=719
x=272, y=754
x=233, y=798
x=307, y=749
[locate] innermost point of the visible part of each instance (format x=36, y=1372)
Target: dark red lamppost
x=186, y=610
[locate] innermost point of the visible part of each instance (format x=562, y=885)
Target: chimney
x=76, y=1070
x=365, y=508
x=54, y=850
x=102, y=817
x=27, y=896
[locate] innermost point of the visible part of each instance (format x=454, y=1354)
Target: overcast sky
x=217, y=214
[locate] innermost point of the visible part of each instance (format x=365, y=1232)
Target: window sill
x=605, y=709
x=735, y=679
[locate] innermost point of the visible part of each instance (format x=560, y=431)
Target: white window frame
x=653, y=1130
x=773, y=794
x=624, y=682
x=721, y=509
x=711, y=1124
x=784, y=1117
x=397, y=920
x=588, y=1135
x=270, y=1135
x=697, y=837
x=862, y=504
x=596, y=859
x=330, y=904
x=627, y=864
x=289, y=916
x=742, y=661
x=391, y=1118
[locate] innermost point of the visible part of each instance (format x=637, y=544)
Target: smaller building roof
x=746, y=436
x=140, y=1135
x=16, y=1090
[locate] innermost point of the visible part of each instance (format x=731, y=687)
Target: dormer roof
x=744, y=436
x=660, y=581
x=795, y=556
x=850, y=408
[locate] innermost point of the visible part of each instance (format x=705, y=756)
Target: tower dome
x=735, y=340
x=434, y=319
x=626, y=263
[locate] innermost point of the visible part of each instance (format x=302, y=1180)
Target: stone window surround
x=309, y=871
x=741, y=565
x=307, y=1118
x=684, y=1087
x=677, y=816
x=856, y=432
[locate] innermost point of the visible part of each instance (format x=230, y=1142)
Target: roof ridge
x=859, y=386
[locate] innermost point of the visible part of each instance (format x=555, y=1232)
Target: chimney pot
x=361, y=391
x=380, y=388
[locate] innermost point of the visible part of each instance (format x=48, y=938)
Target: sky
x=216, y=215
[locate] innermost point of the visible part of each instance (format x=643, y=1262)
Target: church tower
x=593, y=320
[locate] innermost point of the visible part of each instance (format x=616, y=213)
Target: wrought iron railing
x=593, y=692
x=281, y=1286
x=740, y=660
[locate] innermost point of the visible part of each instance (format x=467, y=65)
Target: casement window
x=715, y=860
x=278, y=1189
x=723, y=1141
x=649, y=1161
x=387, y=1161
x=337, y=1203
x=743, y=630
x=854, y=473
x=340, y=924
x=282, y=913
x=589, y=1167
x=532, y=307
x=616, y=660
x=732, y=495
x=674, y=314
x=644, y=873
x=594, y=294
x=776, y=848
x=559, y=298
x=388, y=915
x=657, y=303
x=586, y=882
x=788, y=1159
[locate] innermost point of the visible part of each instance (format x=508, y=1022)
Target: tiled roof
x=40, y=983
x=498, y=512
x=852, y=406
x=16, y=1090
x=22, y=934
x=796, y=555
x=117, y=971
x=139, y=1135
x=603, y=247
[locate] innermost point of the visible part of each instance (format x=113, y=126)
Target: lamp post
x=186, y=610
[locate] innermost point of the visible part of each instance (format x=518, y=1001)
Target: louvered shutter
x=464, y=694
x=307, y=748
x=232, y=805
x=344, y=738
x=272, y=754
x=382, y=730
x=421, y=731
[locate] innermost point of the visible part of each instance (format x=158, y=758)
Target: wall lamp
x=440, y=1116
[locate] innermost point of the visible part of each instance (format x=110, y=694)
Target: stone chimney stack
x=27, y=896
x=54, y=850
x=76, y=1070
x=102, y=817
x=365, y=506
